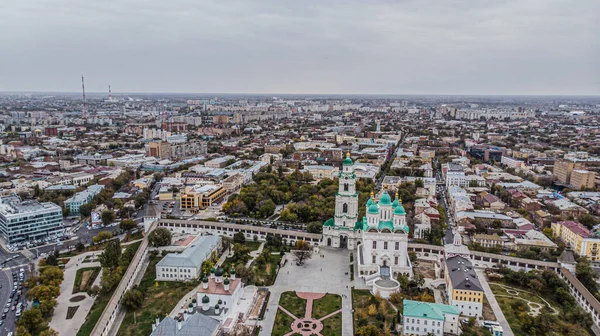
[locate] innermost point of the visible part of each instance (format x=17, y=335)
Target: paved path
x=255, y=254
x=494, y=303
x=59, y=320
x=318, y=275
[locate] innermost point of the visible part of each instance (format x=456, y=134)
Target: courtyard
x=305, y=314
x=327, y=272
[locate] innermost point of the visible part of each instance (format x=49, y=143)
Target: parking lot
x=12, y=296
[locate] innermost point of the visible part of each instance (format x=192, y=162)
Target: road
x=6, y=281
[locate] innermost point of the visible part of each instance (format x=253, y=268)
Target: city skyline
x=380, y=48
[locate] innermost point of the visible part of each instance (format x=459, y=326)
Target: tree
x=49, y=332
x=160, y=237
x=535, y=285
x=239, y=238
x=32, y=320
x=128, y=224
x=85, y=210
x=314, y=227
x=107, y=217
x=21, y=331
x=102, y=236
x=241, y=253
x=588, y=220
x=51, y=275
x=586, y=274
x=42, y=293
x=110, y=279
x=79, y=247
x=132, y=299
x=302, y=252
x=111, y=255
x=368, y=330
x=419, y=183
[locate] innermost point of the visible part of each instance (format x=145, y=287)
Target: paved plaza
x=59, y=321
x=307, y=325
x=319, y=275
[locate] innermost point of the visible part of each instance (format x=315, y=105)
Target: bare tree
x=302, y=252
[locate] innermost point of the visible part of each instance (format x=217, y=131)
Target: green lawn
x=265, y=275
x=252, y=245
x=326, y=305
x=332, y=326
x=513, y=307
x=158, y=301
x=293, y=304
x=282, y=325
x=94, y=314
x=90, y=281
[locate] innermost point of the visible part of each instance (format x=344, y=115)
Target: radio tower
x=109, y=94
x=84, y=109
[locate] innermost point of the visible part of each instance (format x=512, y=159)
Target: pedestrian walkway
x=59, y=321
x=255, y=254
x=494, y=303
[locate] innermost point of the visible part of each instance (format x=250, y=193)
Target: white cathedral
x=379, y=240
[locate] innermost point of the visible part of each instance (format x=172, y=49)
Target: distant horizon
x=123, y=93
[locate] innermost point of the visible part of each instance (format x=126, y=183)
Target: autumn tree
x=302, y=252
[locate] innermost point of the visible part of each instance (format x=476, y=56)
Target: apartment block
x=563, y=170
x=582, y=179
x=28, y=220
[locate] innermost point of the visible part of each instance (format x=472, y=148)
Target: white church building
x=380, y=239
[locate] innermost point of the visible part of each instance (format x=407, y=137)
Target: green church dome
x=395, y=203
x=226, y=281
x=347, y=160
x=369, y=202
x=373, y=209
x=205, y=279
x=205, y=299
x=385, y=198
x=219, y=272
x=399, y=210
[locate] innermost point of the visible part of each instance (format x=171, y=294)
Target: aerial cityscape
x=278, y=168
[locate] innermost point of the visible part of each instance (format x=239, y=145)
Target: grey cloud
x=311, y=46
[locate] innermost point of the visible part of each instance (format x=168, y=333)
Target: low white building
x=425, y=318
x=187, y=265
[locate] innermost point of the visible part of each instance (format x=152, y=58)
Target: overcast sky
x=302, y=46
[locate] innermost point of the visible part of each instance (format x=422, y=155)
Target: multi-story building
x=455, y=175
x=582, y=179
x=187, y=265
x=581, y=240
x=233, y=182
x=487, y=240
x=563, y=170
x=512, y=163
x=93, y=160
x=201, y=197
x=321, y=172
x=159, y=149
x=426, y=318
x=81, y=198
x=219, y=162
x=22, y=221
x=463, y=287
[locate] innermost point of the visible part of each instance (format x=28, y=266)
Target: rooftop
x=194, y=255
x=462, y=275
x=428, y=310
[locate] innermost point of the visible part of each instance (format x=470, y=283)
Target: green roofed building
x=426, y=318
x=380, y=239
